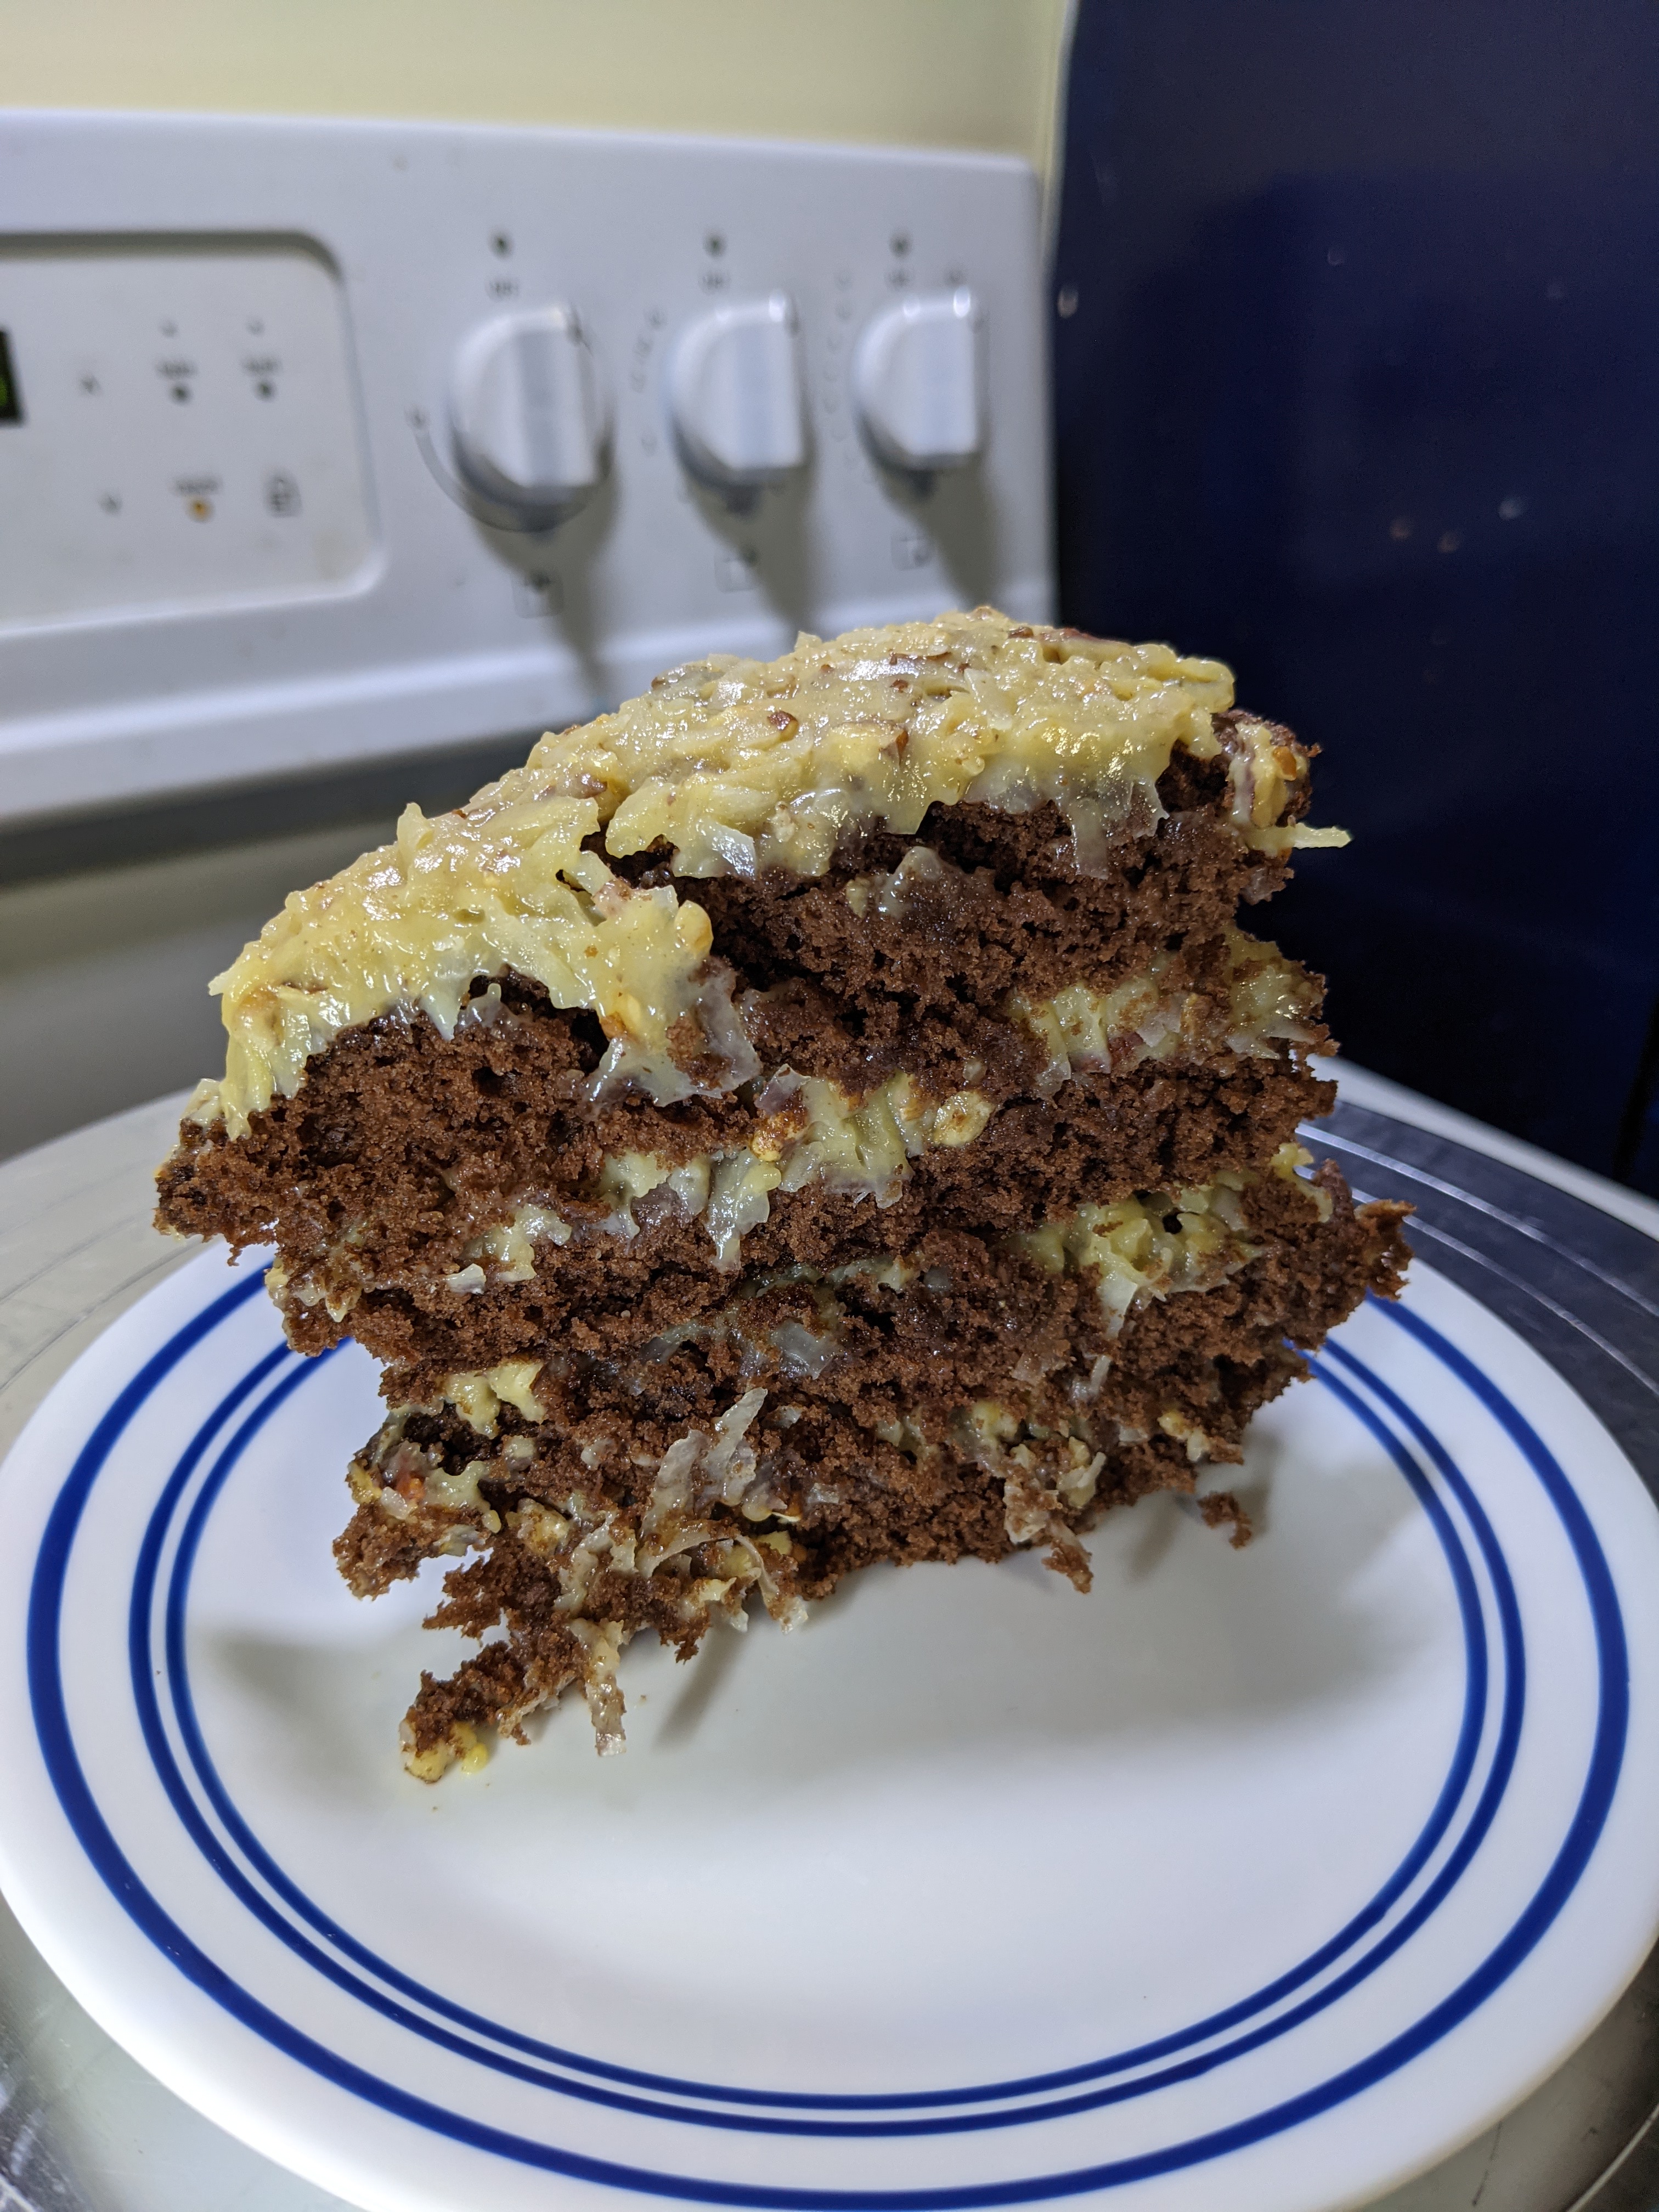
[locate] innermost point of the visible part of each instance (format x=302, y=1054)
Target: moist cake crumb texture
x=827, y=1111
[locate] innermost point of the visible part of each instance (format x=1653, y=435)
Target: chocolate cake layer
x=410, y=1283
x=979, y=904
x=966, y=1399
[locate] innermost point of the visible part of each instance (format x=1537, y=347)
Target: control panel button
x=917, y=380
x=734, y=393
x=529, y=410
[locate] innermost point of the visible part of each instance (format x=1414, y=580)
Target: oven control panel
x=321, y=440
x=184, y=430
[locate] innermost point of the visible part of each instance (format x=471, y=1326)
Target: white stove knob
x=917, y=380
x=734, y=393
x=529, y=412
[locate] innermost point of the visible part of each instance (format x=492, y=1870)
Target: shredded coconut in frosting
x=736, y=766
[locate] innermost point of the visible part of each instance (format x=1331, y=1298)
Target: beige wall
x=972, y=73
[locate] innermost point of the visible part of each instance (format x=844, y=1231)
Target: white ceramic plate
x=1254, y=1879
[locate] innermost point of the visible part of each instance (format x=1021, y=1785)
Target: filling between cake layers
x=922, y=1186
x=788, y=1133
x=1017, y=1034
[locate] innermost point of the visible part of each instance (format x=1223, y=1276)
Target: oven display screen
x=11, y=406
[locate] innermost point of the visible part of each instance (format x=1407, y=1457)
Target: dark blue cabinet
x=1357, y=374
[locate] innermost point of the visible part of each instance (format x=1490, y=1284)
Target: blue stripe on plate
x=145, y=1672
x=97, y=1839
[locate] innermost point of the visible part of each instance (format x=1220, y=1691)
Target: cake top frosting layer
x=747, y=764
x=733, y=766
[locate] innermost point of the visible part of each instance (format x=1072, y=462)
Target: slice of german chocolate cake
x=825, y=1111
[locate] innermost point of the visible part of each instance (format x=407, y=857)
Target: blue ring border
x=1448, y=1801
x=50, y=1721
